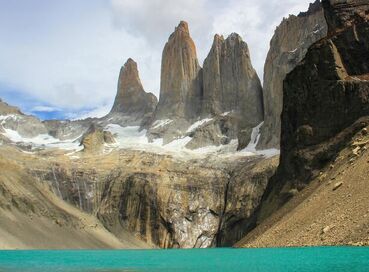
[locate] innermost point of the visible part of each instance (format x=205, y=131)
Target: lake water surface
x=219, y=260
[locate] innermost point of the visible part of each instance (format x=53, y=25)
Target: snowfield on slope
x=131, y=137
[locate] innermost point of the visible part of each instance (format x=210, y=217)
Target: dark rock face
x=181, y=77
x=190, y=204
x=131, y=99
x=345, y=13
x=245, y=188
x=325, y=97
x=288, y=47
x=230, y=81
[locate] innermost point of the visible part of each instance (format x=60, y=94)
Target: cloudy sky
x=61, y=58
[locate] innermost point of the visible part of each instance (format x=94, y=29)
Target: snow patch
x=178, y=144
x=198, y=124
x=293, y=51
x=161, y=123
x=255, y=137
x=13, y=117
x=132, y=138
x=251, y=148
x=42, y=140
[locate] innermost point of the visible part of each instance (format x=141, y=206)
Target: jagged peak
x=313, y=8
x=234, y=36
x=217, y=41
x=218, y=38
x=130, y=61
x=129, y=73
x=181, y=29
x=183, y=26
x=130, y=65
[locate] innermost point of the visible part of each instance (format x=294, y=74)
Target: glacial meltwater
x=219, y=260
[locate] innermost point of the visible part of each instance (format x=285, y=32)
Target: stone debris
x=337, y=185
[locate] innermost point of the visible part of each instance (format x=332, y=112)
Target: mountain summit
x=181, y=79
x=131, y=98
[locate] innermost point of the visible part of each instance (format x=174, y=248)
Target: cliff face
x=345, y=13
x=164, y=201
x=331, y=210
x=32, y=217
x=324, y=98
x=230, y=81
x=181, y=77
x=231, y=84
x=288, y=47
x=184, y=204
x=131, y=99
x=226, y=94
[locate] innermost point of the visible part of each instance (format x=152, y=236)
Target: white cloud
x=97, y=112
x=156, y=19
x=67, y=54
x=256, y=23
x=44, y=109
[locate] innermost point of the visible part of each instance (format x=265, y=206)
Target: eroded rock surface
x=95, y=139
x=32, y=217
x=131, y=100
x=325, y=99
x=165, y=201
x=230, y=81
x=181, y=77
x=290, y=42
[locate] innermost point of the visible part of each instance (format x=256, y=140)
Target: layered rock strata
x=164, y=201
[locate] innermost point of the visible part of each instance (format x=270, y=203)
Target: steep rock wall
x=326, y=100
x=290, y=42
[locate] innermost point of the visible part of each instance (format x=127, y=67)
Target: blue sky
x=61, y=59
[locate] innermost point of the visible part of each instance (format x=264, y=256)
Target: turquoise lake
x=220, y=260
